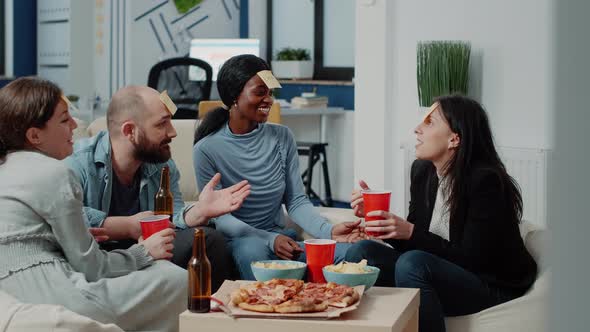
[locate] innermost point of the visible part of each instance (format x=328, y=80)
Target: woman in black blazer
x=461, y=243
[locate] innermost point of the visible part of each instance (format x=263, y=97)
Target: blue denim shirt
x=91, y=161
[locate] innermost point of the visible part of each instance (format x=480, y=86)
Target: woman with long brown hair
x=47, y=255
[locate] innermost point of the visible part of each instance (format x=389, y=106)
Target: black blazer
x=483, y=237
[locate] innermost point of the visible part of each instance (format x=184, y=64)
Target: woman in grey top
x=47, y=254
x=237, y=142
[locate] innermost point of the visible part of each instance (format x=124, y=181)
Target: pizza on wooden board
x=292, y=296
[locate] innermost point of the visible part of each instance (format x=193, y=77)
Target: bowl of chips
x=279, y=269
x=352, y=274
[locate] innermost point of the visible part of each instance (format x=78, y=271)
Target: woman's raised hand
x=391, y=227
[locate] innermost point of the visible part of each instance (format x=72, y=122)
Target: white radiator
x=527, y=166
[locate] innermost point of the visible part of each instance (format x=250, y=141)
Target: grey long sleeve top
x=266, y=157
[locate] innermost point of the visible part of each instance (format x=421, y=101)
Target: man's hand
x=134, y=226
x=124, y=228
x=99, y=234
x=356, y=200
x=348, y=232
x=286, y=248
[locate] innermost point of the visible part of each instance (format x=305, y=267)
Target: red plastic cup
x=153, y=224
x=375, y=200
x=319, y=252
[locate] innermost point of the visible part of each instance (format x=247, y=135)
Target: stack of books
x=309, y=102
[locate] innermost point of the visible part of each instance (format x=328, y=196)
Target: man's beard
x=151, y=153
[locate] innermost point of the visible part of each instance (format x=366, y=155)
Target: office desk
x=321, y=112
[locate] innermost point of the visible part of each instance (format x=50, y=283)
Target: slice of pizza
x=341, y=296
x=262, y=296
x=301, y=303
x=336, y=295
x=256, y=304
x=243, y=293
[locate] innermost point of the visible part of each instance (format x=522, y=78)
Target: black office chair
x=173, y=75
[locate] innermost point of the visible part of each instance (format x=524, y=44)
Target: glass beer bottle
x=164, y=201
x=199, y=276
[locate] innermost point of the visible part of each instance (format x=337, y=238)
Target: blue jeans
x=246, y=250
x=446, y=289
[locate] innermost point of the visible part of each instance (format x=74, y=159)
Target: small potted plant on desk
x=293, y=63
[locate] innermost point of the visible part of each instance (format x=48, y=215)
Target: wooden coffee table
x=381, y=309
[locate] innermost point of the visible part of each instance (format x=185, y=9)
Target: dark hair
x=468, y=119
x=231, y=79
x=25, y=103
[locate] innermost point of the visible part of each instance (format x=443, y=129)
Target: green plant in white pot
x=442, y=69
x=292, y=63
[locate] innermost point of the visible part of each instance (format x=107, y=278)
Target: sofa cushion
x=536, y=241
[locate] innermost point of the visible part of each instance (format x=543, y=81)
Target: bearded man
x=119, y=172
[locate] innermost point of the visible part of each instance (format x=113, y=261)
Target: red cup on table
x=319, y=252
x=375, y=200
x=153, y=224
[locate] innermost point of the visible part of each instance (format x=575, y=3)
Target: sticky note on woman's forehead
x=71, y=106
x=168, y=102
x=269, y=79
x=431, y=110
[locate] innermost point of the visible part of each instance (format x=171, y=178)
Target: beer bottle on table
x=164, y=201
x=199, y=276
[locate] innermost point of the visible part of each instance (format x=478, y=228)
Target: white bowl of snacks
x=279, y=269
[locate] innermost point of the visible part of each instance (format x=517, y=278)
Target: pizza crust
x=257, y=307
x=346, y=301
x=301, y=305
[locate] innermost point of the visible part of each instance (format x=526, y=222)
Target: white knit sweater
x=41, y=221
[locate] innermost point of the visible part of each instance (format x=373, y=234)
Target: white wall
x=340, y=138
x=257, y=23
x=292, y=25
x=133, y=49
x=339, y=33
x=569, y=179
x=510, y=73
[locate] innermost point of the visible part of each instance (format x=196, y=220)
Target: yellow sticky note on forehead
x=168, y=102
x=66, y=100
x=431, y=110
x=69, y=103
x=269, y=79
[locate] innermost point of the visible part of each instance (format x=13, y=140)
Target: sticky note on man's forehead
x=168, y=102
x=269, y=79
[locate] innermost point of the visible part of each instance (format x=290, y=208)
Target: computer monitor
x=217, y=51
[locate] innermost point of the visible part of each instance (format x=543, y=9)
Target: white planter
x=292, y=69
